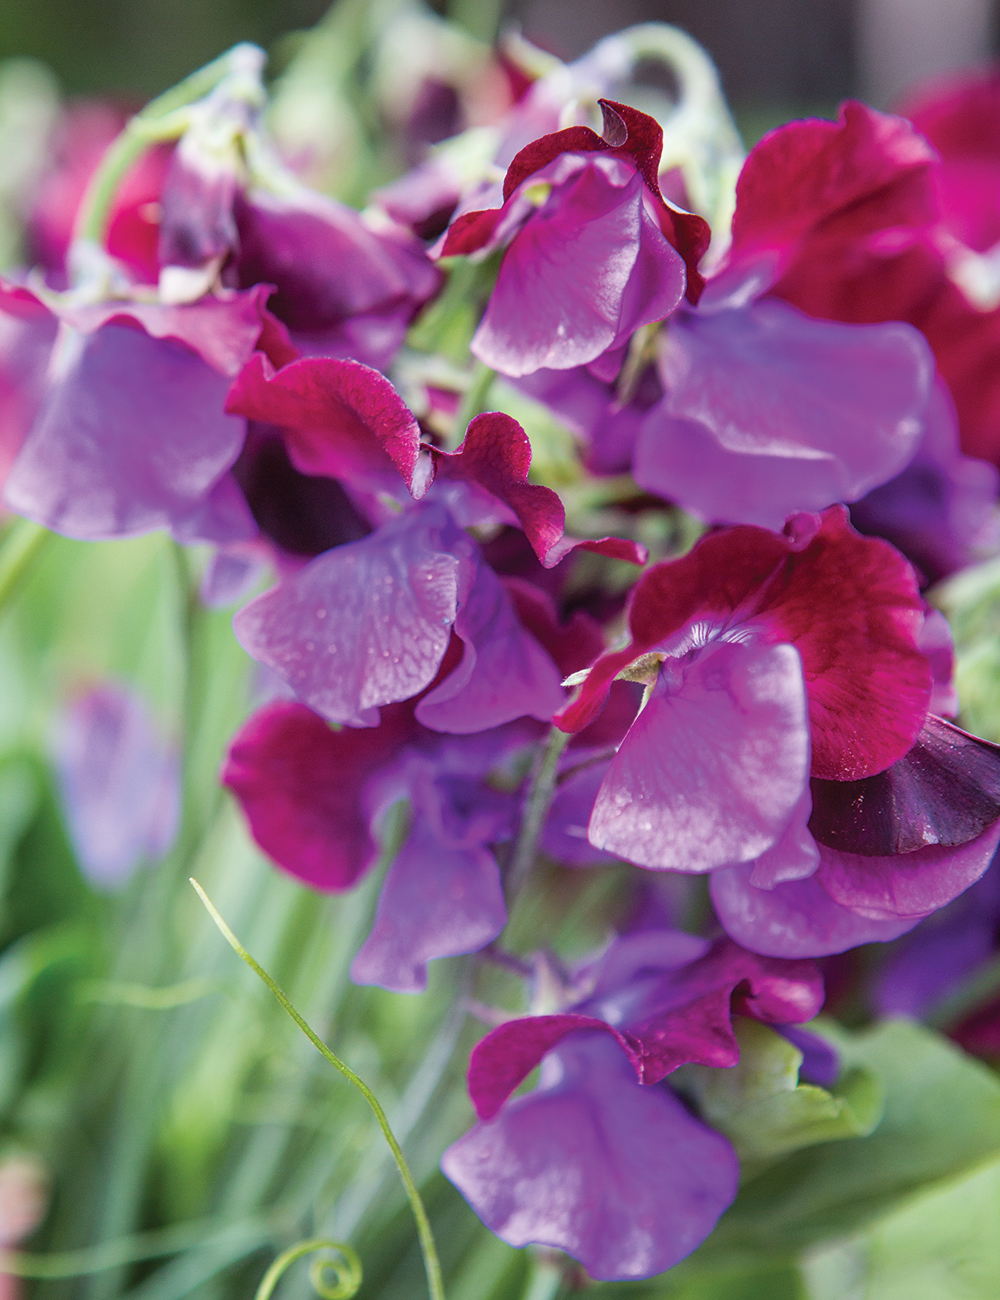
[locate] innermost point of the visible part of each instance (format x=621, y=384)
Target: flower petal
x=503, y=674
x=367, y=623
x=437, y=901
x=769, y=412
x=302, y=788
x=131, y=436
x=945, y=790
x=710, y=774
x=794, y=919
x=908, y=884
x=619, y=1176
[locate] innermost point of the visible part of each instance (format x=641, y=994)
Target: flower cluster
x=794, y=365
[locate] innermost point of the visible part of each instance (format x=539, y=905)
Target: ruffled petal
x=302, y=789
x=495, y=457
x=619, y=1176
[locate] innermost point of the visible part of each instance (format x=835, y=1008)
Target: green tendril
x=347, y=1271
x=428, y=1248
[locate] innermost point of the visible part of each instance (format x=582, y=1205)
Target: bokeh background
x=776, y=56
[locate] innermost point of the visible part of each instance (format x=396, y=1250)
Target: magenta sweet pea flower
x=785, y=742
x=368, y=623
x=657, y=1000
x=343, y=287
x=592, y=250
x=315, y=798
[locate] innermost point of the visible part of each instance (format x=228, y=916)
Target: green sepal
x=766, y=1112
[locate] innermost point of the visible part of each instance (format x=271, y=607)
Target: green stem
x=432, y=1265
x=20, y=549
x=161, y=119
x=542, y=789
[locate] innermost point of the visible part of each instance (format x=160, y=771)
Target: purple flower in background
x=592, y=250
x=561, y=1165
x=128, y=431
x=120, y=783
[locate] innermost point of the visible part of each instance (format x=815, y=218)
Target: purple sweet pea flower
x=591, y=248
x=767, y=411
x=621, y=1177
x=315, y=797
x=120, y=784
x=368, y=623
x=831, y=808
x=664, y=999
x=130, y=432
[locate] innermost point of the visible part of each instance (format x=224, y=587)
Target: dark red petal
x=851, y=606
x=533, y=157
x=643, y=142
x=496, y=456
x=301, y=786
x=505, y=1057
x=945, y=790
x=470, y=232
x=871, y=170
x=339, y=417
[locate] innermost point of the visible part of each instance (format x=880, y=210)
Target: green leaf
x=941, y=1120
x=763, y=1109
x=971, y=601
x=944, y=1245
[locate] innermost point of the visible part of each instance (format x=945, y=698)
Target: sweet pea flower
x=557, y=1166
x=786, y=745
x=315, y=797
x=120, y=783
x=592, y=250
x=118, y=418
x=369, y=622
x=849, y=222
x=756, y=411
